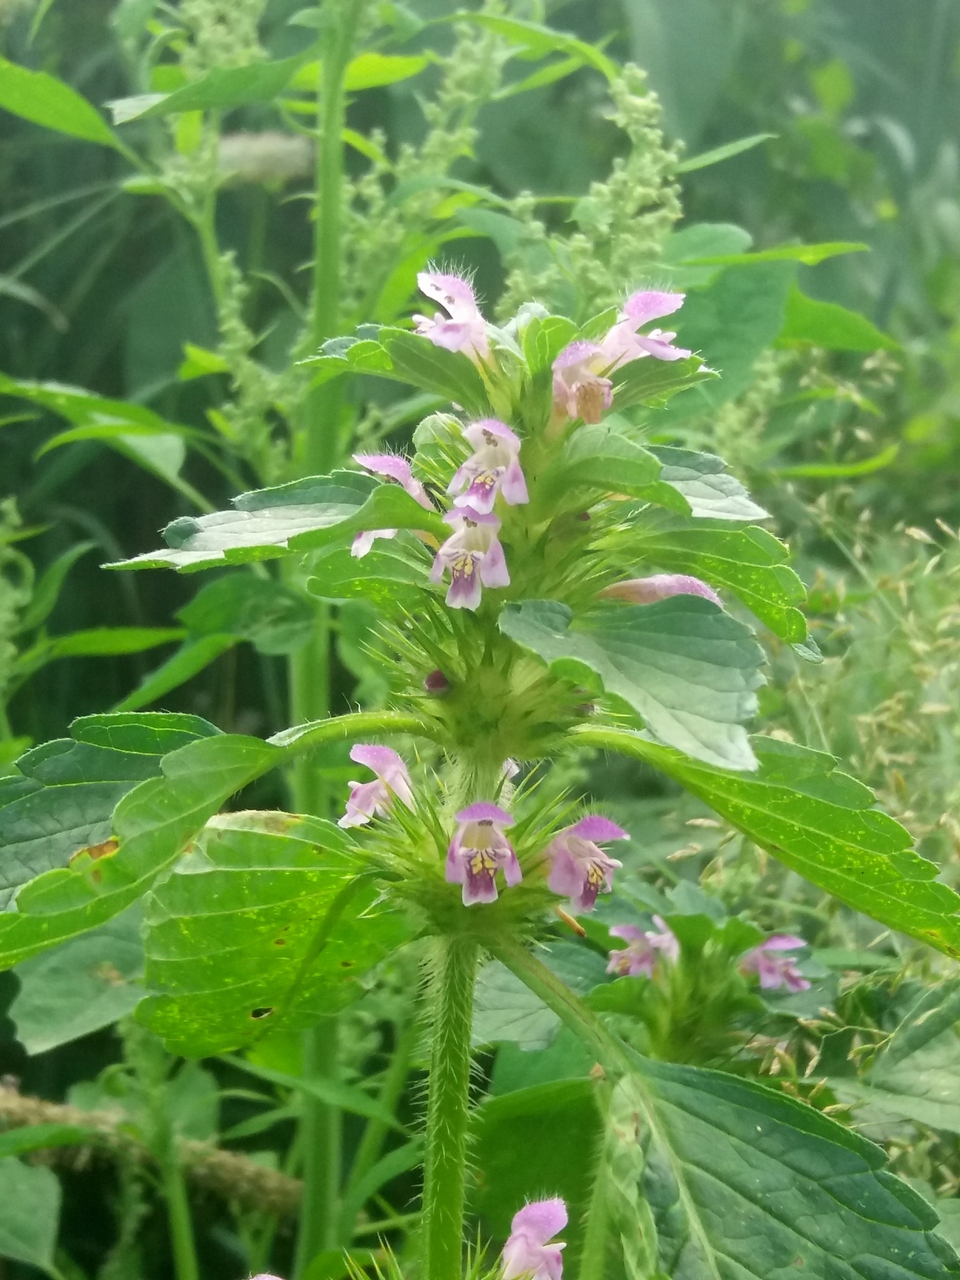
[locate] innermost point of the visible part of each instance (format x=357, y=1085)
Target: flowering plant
x=550, y=580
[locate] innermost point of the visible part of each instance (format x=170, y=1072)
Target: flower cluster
x=579, y=868
x=472, y=555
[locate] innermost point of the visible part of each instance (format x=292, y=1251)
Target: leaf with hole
x=266, y=924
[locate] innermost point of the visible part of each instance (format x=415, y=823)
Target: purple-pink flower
x=492, y=468
x=644, y=947
x=659, y=586
x=473, y=555
x=392, y=467
x=579, y=867
x=528, y=1251
x=463, y=328
x=373, y=799
x=773, y=969
x=479, y=850
x=581, y=385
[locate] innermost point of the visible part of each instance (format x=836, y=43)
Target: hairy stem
x=593, y=1257
x=448, y=1108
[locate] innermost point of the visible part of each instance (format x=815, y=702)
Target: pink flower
x=473, y=555
x=391, y=467
x=478, y=850
x=581, y=387
x=463, y=328
x=643, y=948
x=492, y=468
x=659, y=587
x=528, y=1251
x=373, y=799
x=774, y=970
x=580, y=868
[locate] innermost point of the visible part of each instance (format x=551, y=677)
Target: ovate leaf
x=392, y=575
x=686, y=667
x=301, y=516
x=743, y=1181
x=809, y=322
x=820, y=823
x=264, y=925
x=600, y=458
x=86, y=984
x=29, y=1213
x=750, y=562
x=217, y=90
x=916, y=1075
x=703, y=480
x=47, y=101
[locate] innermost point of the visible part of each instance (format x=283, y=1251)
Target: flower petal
x=540, y=1220
x=595, y=827
x=483, y=811
x=650, y=304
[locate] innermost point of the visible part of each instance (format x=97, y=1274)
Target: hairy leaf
x=264, y=925
x=820, y=823
x=685, y=666
x=749, y=562
x=301, y=516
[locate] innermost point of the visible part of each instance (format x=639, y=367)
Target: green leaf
x=47, y=590
x=706, y=486
x=728, y=323
x=29, y=1213
x=809, y=254
x=86, y=984
x=744, y=1181
x=726, y=152
x=825, y=324
x=840, y=470
x=506, y=1010
x=38, y=1137
x=684, y=249
x=301, y=516
x=150, y=823
x=542, y=40
x=273, y=617
x=685, y=666
x=599, y=457
x=219, y=89
x=366, y=71
x=916, y=1075
x=750, y=562
x=334, y=1092
x=392, y=575
x=264, y=925
x=423, y=364
x=821, y=824
x=99, y=642
x=153, y=733
x=47, y=101
x=654, y=382
x=190, y=659
x=534, y=1143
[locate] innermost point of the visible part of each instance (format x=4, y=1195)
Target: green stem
x=323, y=440
x=376, y=1130
x=322, y=1142
x=593, y=1256
x=448, y=1108
x=181, y=1227
x=310, y=701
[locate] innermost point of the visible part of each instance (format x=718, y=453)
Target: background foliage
x=847, y=431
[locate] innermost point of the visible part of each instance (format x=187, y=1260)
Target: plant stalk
x=178, y=1212
x=448, y=1108
x=322, y=1140
x=593, y=1257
